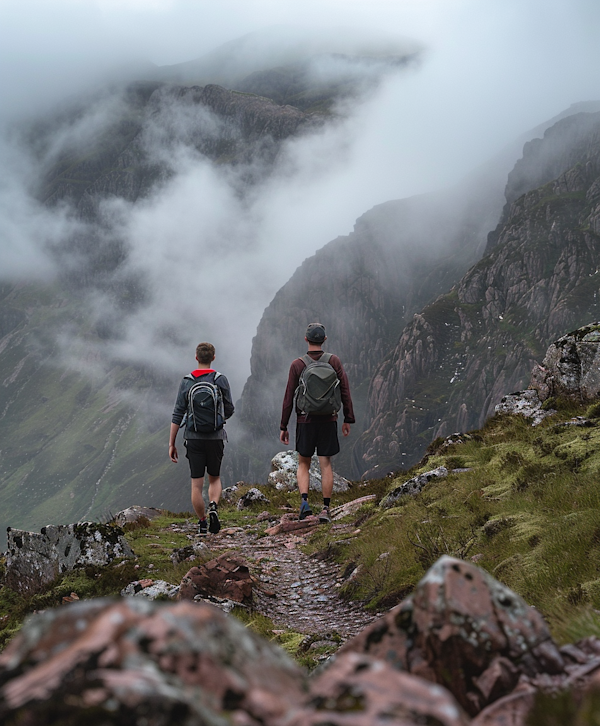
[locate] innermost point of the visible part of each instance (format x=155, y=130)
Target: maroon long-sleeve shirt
x=296, y=369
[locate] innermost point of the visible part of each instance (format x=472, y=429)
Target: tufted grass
x=528, y=512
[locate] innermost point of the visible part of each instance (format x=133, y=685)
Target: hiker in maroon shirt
x=315, y=431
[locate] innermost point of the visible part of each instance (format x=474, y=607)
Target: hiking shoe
x=324, y=517
x=202, y=527
x=213, y=519
x=305, y=510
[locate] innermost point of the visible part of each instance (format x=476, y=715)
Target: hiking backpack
x=205, y=411
x=318, y=391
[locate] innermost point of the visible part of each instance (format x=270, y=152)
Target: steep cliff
x=457, y=357
x=364, y=288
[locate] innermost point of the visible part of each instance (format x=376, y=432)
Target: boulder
x=524, y=403
x=360, y=691
x=225, y=577
x=252, y=496
x=134, y=514
x=412, y=486
x=150, y=589
x=284, y=466
x=571, y=367
x=145, y=664
x=463, y=629
x=34, y=560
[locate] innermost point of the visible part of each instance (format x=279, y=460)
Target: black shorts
x=319, y=435
x=204, y=454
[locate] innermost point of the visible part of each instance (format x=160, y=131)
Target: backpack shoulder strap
x=306, y=359
x=325, y=358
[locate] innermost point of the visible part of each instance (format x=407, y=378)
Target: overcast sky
x=491, y=70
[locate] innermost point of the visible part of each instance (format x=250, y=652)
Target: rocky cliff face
x=363, y=288
x=458, y=356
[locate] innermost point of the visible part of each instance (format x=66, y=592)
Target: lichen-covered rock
x=144, y=664
x=571, y=367
x=412, y=486
x=360, y=691
x=463, y=629
x=252, y=496
x=524, y=403
x=134, y=514
x=34, y=560
x=284, y=466
x=150, y=589
x=226, y=577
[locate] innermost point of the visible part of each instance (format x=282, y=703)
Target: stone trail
x=293, y=589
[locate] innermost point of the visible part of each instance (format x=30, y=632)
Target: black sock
x=326, y=501
x=305, y=497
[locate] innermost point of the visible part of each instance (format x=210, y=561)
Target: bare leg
x=326, y=475
x=303, y=473
x=197, y=499
x=214, y=488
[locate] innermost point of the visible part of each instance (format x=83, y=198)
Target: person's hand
x=284, y=437
x=346, y=429
x=173, y=453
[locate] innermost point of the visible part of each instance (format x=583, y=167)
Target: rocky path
x=293, y=589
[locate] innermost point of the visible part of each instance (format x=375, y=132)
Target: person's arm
x=172, y=448
x=288, y=398
x=178, y=413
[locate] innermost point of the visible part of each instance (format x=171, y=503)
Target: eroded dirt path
x=293, y=589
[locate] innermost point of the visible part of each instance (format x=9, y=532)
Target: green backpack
x=318, y=391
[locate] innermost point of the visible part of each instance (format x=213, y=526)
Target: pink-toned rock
x=139, y=662
x=511, y=710
x=225, y=577
x=464, y=630
x=291, y=525
x=361, y=691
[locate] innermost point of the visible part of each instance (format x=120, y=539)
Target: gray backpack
x=318, y=391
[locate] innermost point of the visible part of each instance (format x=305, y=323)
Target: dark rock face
x=459, y=356
x=136, y=662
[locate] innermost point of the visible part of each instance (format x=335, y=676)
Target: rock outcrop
x=34, y=560
x=571, y=367
x=463, y=630
x=144, y=664
x=459, y=356
x=283, y=474
x=412, y=486
x=225, y=577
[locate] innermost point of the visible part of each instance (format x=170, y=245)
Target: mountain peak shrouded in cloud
x=280, y=46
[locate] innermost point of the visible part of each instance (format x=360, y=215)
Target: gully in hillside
x=203, y=404
x=318, y=385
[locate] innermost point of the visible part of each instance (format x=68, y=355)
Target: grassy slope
x=72, y=443
x=528, y=511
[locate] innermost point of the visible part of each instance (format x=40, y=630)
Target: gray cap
x=315, y=333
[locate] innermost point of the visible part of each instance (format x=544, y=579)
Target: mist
x=211, y=253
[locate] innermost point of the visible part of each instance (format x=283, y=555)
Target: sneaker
x=213, y=519
x=202, y=527
x=305, y=510
x=324, y=517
